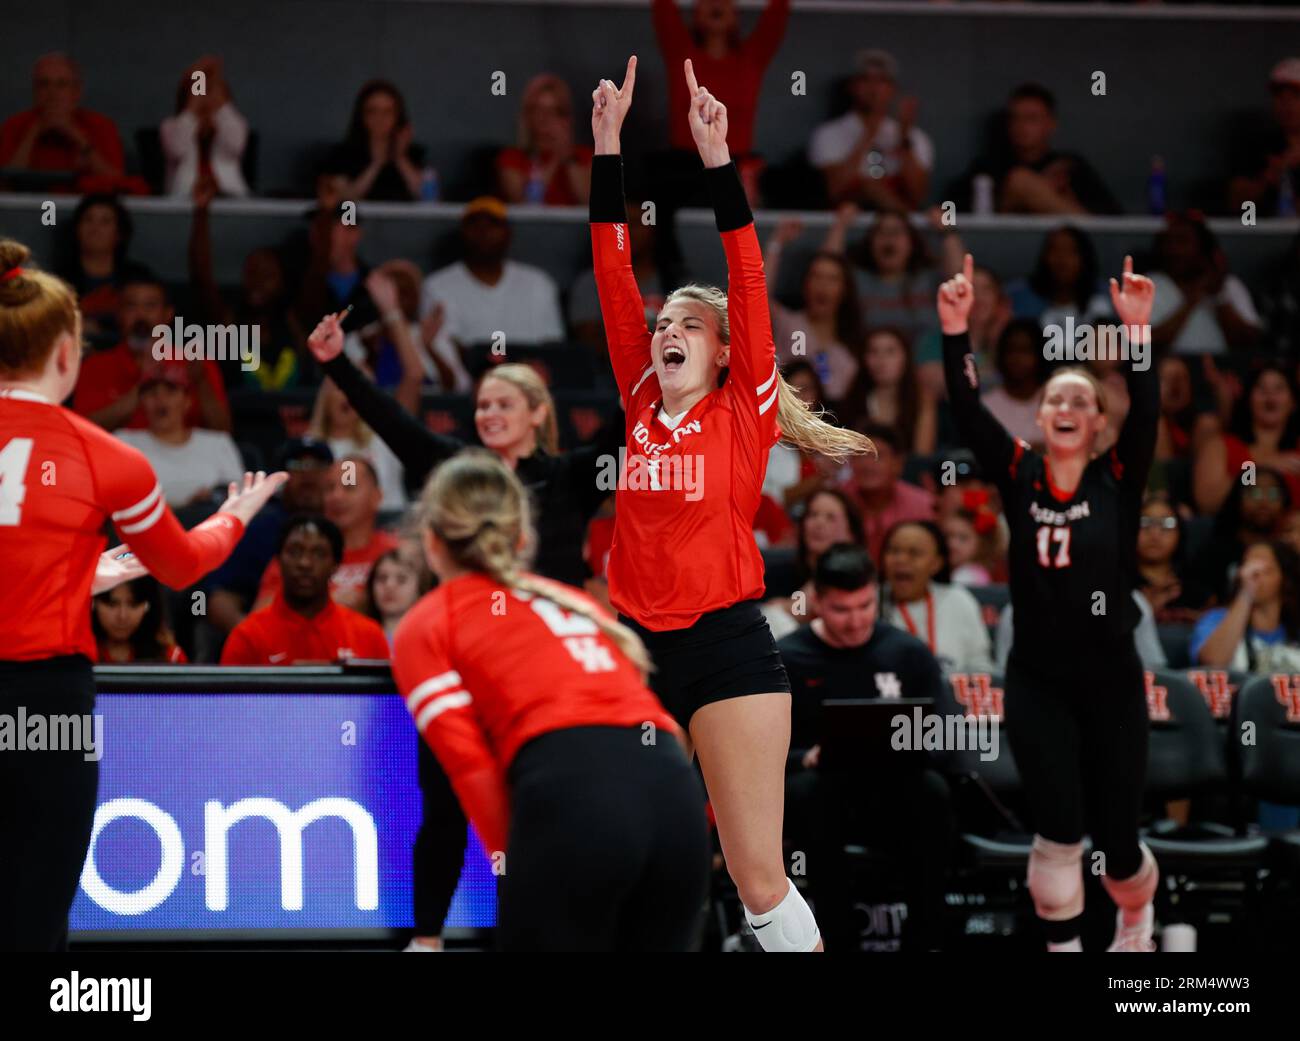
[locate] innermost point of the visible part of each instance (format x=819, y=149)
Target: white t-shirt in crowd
x=834, y=141
x=1016, y=416
x=1201, y=333
x=960, y=639
x=209, y=459
x=386, y=465
x=524, y=305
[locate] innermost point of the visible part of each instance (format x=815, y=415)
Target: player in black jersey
x=1075, y=706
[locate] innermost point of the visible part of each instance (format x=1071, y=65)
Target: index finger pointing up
x=1128, y=265
x=690, y=79
x=629, y=78
x=968, y=268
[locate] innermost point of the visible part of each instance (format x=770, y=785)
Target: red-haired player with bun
x=61, y=479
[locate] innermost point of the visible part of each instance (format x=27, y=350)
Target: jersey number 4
x=14, y=457
x=1046, y=536
x=577, y=633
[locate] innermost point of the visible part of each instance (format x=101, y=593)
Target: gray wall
x=1175, y=86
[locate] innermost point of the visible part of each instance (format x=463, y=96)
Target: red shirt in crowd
x=54, y=151
x=734, y=79
x=348, y=582
x=684, y=524
x=559, y=192
x=909, y=503
x=485, y=670
x=173, y=656
x=278, y=635
x=107, y=375
x=61, y=478
x=1238, y=453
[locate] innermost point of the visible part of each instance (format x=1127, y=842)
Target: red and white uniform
x=61, y=478
x=486, y=669
x=279, y=635
x=684, y=519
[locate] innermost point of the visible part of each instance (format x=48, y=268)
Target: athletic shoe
x=1135, y=938
x=415, y=946
x=1067, y=947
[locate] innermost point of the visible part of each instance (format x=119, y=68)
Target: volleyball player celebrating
x=1075, y=704
x=61, y=478
x=705, y=404
x=533, y=700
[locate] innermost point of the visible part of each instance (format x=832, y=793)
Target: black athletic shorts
x=728, y=653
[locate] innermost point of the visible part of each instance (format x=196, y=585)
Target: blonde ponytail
x=476, y=505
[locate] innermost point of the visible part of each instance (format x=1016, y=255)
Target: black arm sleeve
x=417, y=447
x=983, y=434
x=1136, y=447
x=608, y=204
x=730, y=207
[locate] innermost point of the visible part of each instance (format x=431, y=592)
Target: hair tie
x=13, y=272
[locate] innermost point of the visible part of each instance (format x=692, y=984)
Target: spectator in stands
x=130, y=624
x=1174, y=593
x=406, y=353
x=827, y=329
x=888, y=391
x=189, y=463
x=1250, y=515
x=1289, y=530
x=793, y=475
x=878, y=490
x=849, y=653
x=1064, y=282
x=989, y=315
x=335, y=276
x=378, y=156
x=974, y=546
x=923, y=600
x=352, y=501
x=1280, y=302
x=203, y=142
x=108, y=388
x=398, y=579
x=262, y=306
x=1264, y=431
x=95, y=263
x=303, y=623
x=548, y=167
x=1259, y=630
x=57, y=136
x=1199, y=306
x=336, y=422
x=1267, y=170
x=1029, y=175
x=868, y=156
x=733, y=65
x=896, y=281
x=1178, y=412
x=232, y=588
x=1019, y=362
x=487, y=295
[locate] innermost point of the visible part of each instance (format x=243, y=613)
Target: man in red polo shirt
x=108, y=389
x=303, y=624
x=56, y=134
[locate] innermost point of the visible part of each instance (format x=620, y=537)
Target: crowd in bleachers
x=857, y=333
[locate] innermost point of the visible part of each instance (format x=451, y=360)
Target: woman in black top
x=378, y=156
x=515, y=418
x=1075, y=703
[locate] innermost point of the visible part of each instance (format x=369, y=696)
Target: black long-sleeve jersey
x=1073, y=558
x=566, y=489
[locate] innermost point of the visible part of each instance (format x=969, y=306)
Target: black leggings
x=1080, y=744
x=608, y=847
x=439, y=852
x=47, y=806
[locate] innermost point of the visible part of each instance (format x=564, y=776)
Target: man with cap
x=486, y=293
x=867, y=155
x=189, y=462
x=233, y=586
x=1267, y=171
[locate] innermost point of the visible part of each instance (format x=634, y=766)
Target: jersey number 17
x=1046, y=536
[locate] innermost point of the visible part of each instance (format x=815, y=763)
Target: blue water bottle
x=1157, y=200
x=429, y=184
x=1286, y=195
x=535, y=189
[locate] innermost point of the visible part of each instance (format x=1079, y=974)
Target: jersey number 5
x=1046, y=536
x=577, y=633
x=14, y=457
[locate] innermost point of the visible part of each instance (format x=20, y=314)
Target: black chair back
x=1185, y=751
x=1268, y=731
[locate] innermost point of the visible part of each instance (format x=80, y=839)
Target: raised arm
x=417, y=447
x=1136, y=447
x=621, y=307
x=995, y=449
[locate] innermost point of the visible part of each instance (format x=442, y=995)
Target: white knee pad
x=1136, y=891
x=788, y=928
x=1056, y=879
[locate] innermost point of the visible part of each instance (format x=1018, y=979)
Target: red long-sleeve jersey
x=61, y=477
x=684, y=517
x=485, y=670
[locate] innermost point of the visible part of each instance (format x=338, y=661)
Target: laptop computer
x=873, y=735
